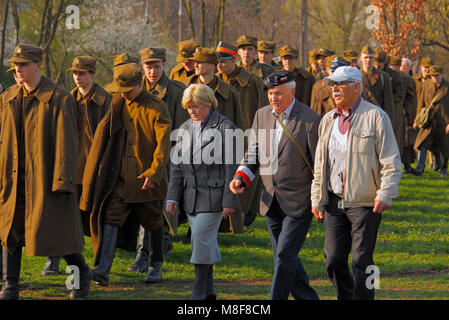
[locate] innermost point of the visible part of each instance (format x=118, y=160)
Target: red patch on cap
x=375, y=76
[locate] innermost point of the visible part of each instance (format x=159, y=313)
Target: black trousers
x=354, y=228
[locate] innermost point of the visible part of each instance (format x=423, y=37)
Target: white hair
x=291, y=84
x=409, y=62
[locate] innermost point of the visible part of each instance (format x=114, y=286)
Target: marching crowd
x=96, y=161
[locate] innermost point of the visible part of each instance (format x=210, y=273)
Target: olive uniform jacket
x=98, y=105
x=52, y=219
x=433, y=137
x=377, y=90
x=170, y=92
x=322, y=100
x=259, y=69
x=103, y=166
x=304, y=85
x=179, y=73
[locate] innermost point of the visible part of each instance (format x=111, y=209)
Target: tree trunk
x=188, y=8
x=304, y=55
x=203, y=23
x=5, y=23
x=16, y=17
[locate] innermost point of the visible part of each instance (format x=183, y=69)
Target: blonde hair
x=200, y=94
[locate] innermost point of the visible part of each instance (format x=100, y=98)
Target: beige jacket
x=373, y=163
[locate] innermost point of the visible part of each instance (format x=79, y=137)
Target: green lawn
x=412, y=253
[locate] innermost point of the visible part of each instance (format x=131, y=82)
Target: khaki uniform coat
x=304, y=85
x=179, y=73
x=433, y=137
x=410, y=106
x=419, y=82
x=377, y=90
x=322, y=100
x=170, y=92
x=103, y=164
x=259, y=69
x=52, y=218
x=97, y=107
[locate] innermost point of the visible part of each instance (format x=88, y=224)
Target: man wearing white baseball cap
x=356, y=176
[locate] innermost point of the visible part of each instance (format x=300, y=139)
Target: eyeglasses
x=339, y=84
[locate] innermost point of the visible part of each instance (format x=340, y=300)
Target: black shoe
x=51, y=267
x=443, y=172
x=415, y=171
x=249, y=218
x=407, y=170
x=140, y=264
x=84, y=288
x=11, y=274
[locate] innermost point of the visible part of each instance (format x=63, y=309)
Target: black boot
x=200, y=283
x=140, y=263
x=86, y=275
x=154, y=273
x=51, y=266
x=101, y=271
x=1, y=263
x=11, y=274
x=210, y=291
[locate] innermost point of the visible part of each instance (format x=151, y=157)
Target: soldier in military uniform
x=247, y=50
x=409, y=110
x=170, y=91
x=252, y=98
x=322, y=100
x=206, y=61
x=125, y=179
x=313, y=67
x=397, y=86
x=186, y=68
x=320, y=57
x=265, y=51
x=351, y=56
x=92, y=103
x=422, y=76
x=38, y=154
x=304, y=79
x=376, y=83
x=120, y=59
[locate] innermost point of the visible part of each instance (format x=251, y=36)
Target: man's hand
x=170, y=207
x=236, y=187
x=319, y=215
x=446, y=131
x=227, y=212
x=147, y=185
x=415, y=126
x=380, y=207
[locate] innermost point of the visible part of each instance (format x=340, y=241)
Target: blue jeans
x=287, y=236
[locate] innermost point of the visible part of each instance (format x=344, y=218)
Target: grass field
x=412, y=253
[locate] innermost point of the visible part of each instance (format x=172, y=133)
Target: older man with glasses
x=356, y=177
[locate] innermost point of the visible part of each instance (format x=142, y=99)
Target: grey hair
x=291, y=84
x=361, y=86
x=409, y=62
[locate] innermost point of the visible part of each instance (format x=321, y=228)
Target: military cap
x=380, y=55
x=126, y=77
x=426, y=62
x=25, y=53
x=152, y=54
x=266, y=46
x=350, y=55
x=312, y=56
x=186, y=49
x=226, y=51
x=367, y=50
x=124, y=58
x=83, y=64
x=324, y=52
x=278, y=78
x=288, y=51
x=435, y=70
x=395, y=61
x=246, y=40
x=338, y=62
x=205, y=55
